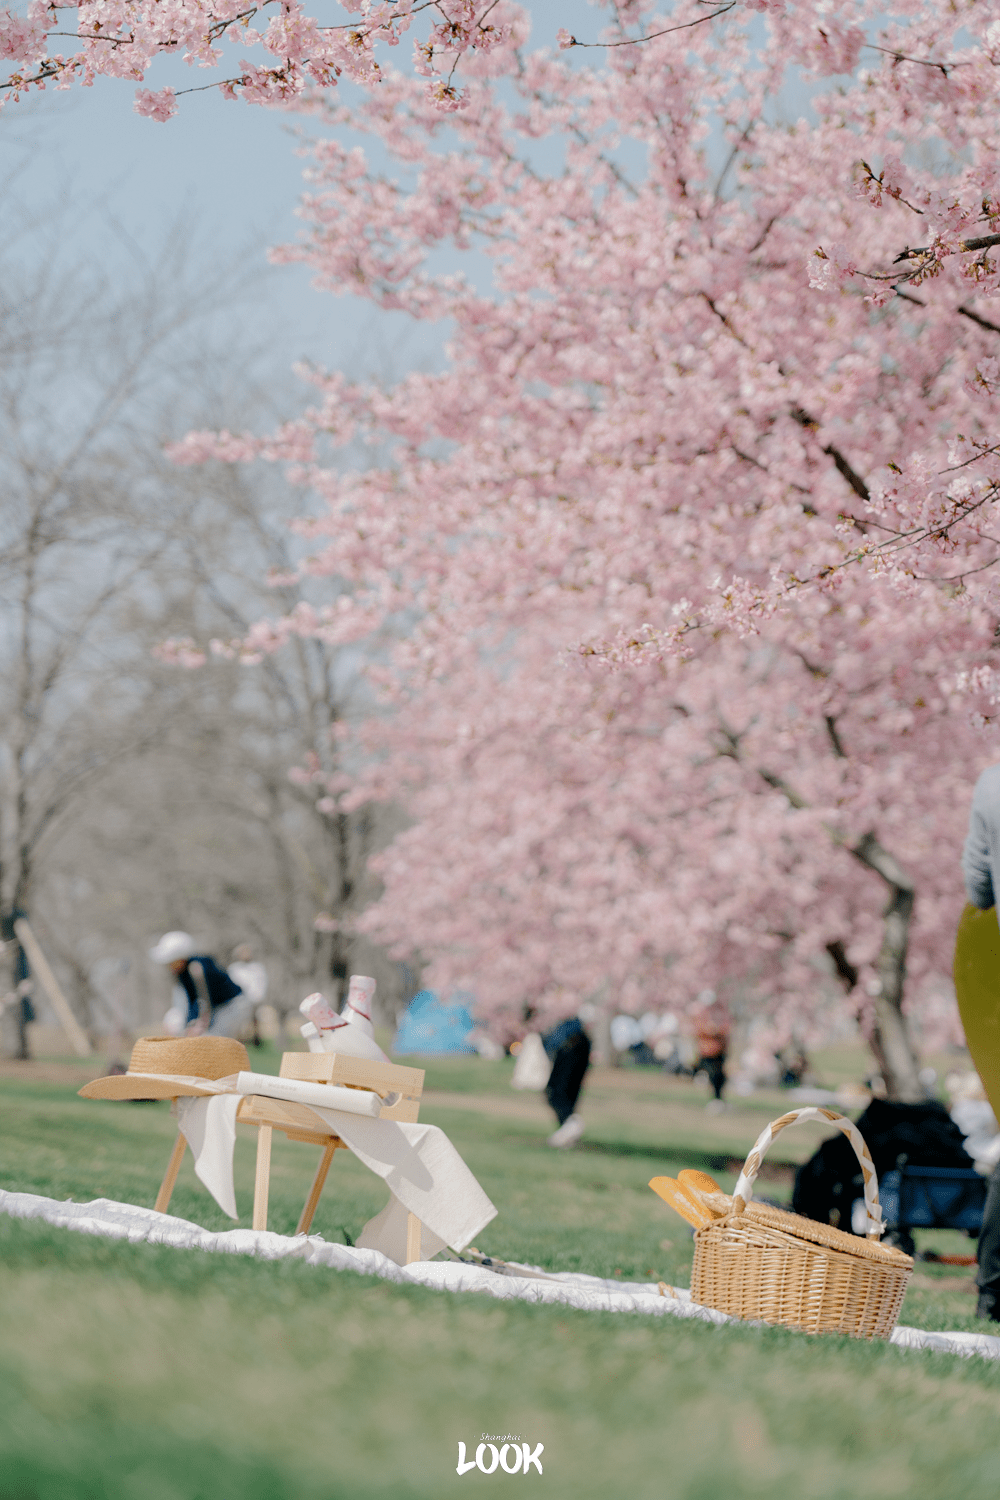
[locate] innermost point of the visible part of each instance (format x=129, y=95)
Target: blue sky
x=116, y=184
x=119, y=182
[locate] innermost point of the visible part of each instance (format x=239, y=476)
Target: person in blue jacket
x=215, y=1003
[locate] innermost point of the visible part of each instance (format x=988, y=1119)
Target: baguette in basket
x=757, y=1262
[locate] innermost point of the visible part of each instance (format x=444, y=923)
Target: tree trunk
x=340, y=954
x=890, y=1040
x=13, y=1032
x=604, y=1053
x=13, y=1025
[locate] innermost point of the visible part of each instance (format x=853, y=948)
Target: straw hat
x=170, y=1067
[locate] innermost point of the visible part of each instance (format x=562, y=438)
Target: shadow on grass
x=688, y=1156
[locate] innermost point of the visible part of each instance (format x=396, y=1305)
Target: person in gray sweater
x=981, y=869
x=981, y=854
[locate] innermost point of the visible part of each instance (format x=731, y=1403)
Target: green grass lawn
x=144, y=1373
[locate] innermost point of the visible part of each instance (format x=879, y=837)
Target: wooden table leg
x=170, y=1175
x=412, y=1238
x=263, y=1177
x=317, y=1188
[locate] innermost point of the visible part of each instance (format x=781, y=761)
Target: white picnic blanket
x=421, y=1168
x=123, y=1221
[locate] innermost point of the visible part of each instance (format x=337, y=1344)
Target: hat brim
x=152, y=1086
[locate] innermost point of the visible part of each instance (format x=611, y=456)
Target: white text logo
x=511, y=1456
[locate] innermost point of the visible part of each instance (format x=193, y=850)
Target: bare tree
x=136, y=796
x=282, y=713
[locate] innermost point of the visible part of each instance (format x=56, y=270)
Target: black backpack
x=828, y=1183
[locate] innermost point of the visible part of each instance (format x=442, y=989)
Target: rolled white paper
x=297, y=1091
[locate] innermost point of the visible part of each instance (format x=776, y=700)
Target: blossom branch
x=982, y=242
x=921, y=62
x=566, y=40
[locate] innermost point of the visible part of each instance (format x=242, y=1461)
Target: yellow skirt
x=977, y=987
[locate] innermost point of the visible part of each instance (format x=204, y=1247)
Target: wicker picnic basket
x=762, y=1263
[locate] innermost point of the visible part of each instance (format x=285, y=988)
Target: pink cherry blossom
x=181, y=652
x=22, y=37
x=158, y=106
x=121, y=38
x=680, y=579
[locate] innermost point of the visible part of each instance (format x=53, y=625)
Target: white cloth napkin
x=423, y=1171
x=387, y=1234
x=209, y=1127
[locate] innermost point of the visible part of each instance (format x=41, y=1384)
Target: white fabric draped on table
x=209, y=1127
x=421, y=1168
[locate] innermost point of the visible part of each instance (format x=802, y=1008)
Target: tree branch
x=890, y=1040
x=843, y=467
x=636, y=41
x=846, y=971
x=982, y=242
x=871, y=854
x=964, y=311
x=835, y=741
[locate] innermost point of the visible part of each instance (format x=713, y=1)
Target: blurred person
x=251, y=976
x=711, y=1028
x=664, y=1042
x=532, y=1065
x=568, y=1045
x=215, y=1003
x=793, y=1065
x=973, y=1114
x=625, y=1033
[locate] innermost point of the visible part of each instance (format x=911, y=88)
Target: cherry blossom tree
x=712, y=821
x=123, y=38
x=691, y=546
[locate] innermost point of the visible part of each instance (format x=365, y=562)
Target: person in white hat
x=215, y=1003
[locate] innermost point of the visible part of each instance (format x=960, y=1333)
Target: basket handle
x=744, y=1188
